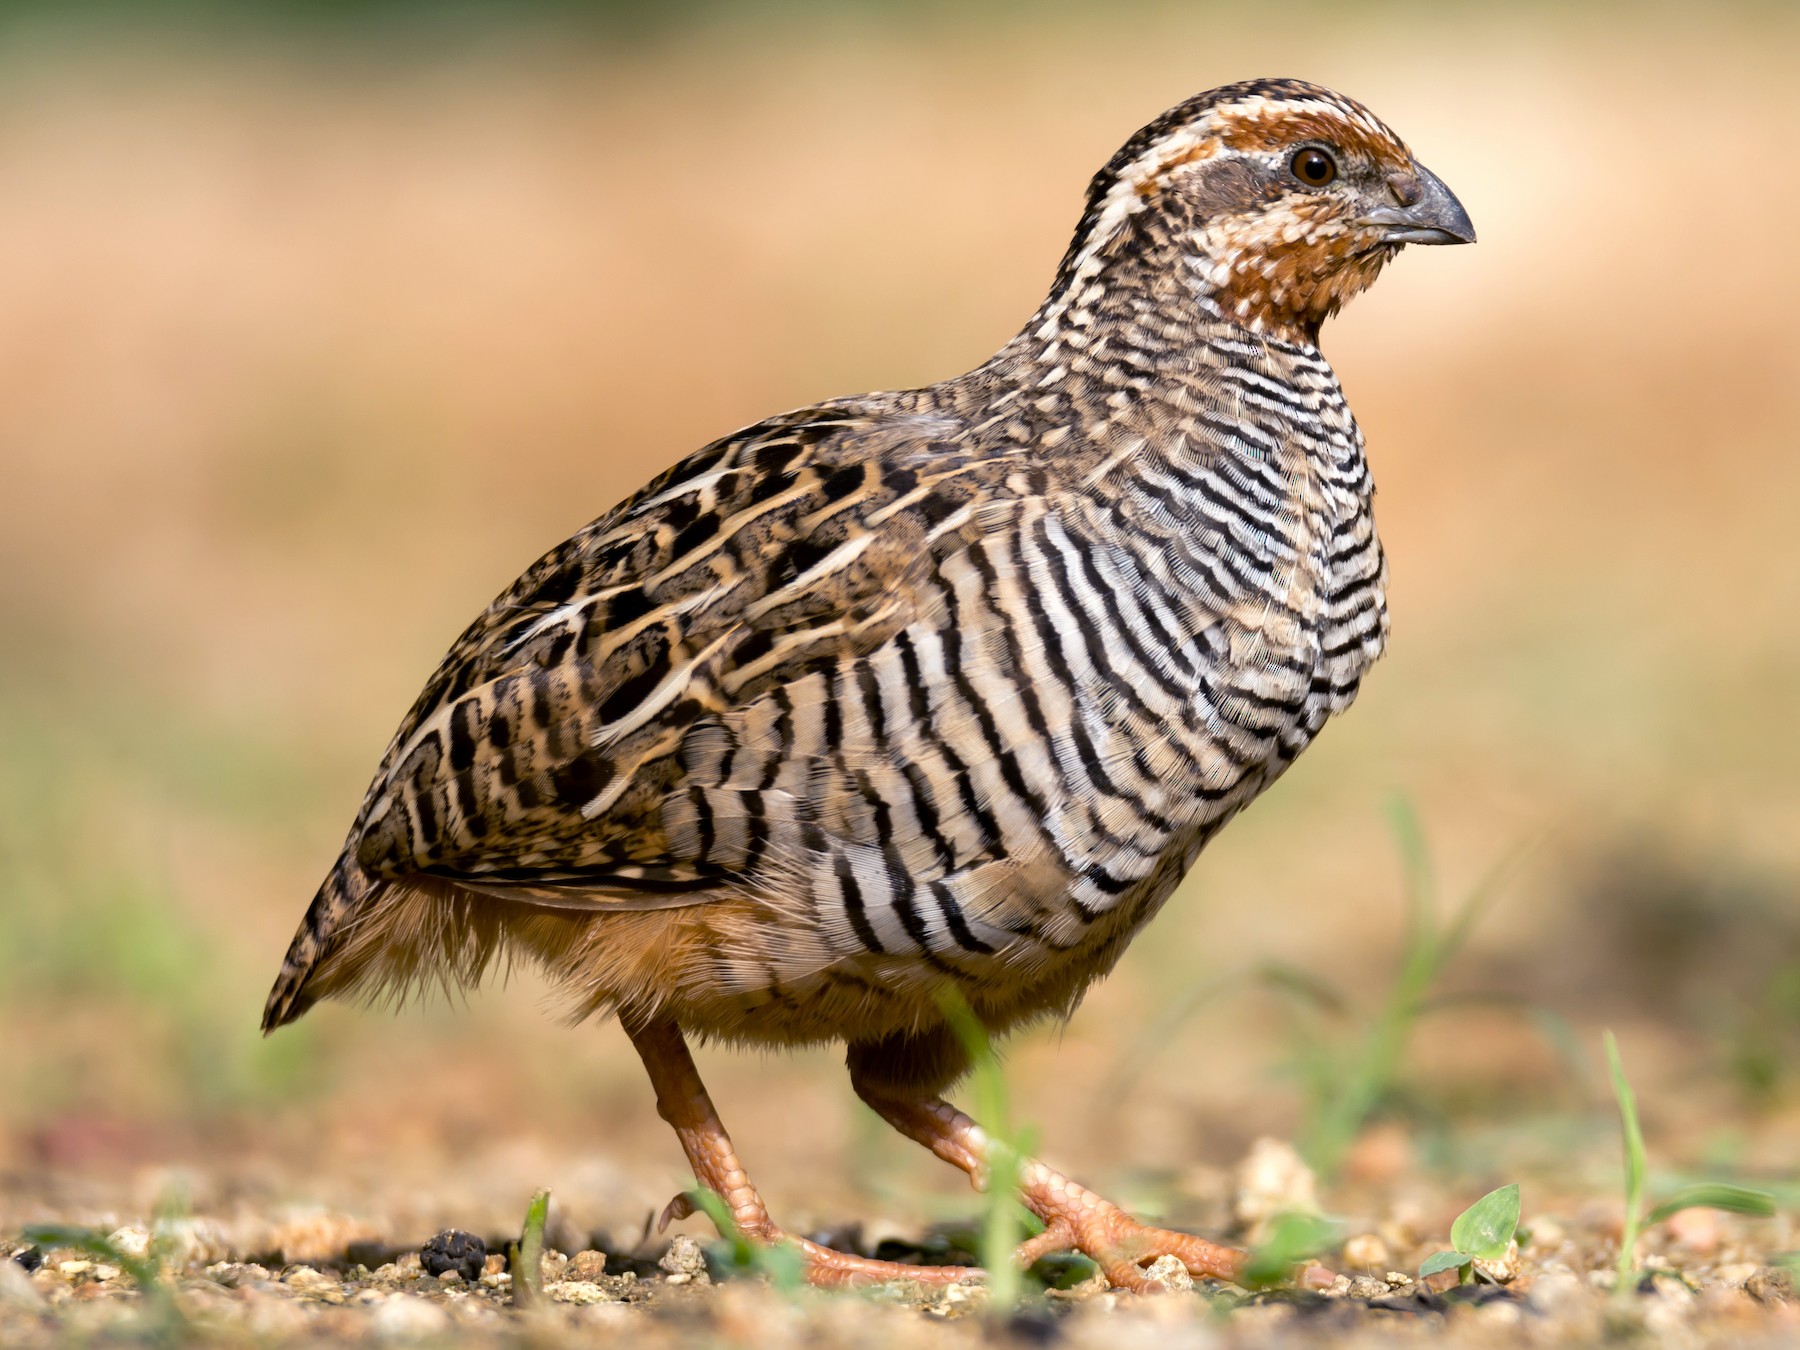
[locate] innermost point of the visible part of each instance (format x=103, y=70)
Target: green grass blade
x=528, y=1266
x=1485, y=1227
x=1635, y=1165
x=1631, y=1132
x=1001, y=1231
x=1714, y=1195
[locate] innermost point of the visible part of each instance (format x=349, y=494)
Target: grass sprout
x=526, y=1259
x=1003, y=1221
x=1704, y=1195
x=1481, y=1233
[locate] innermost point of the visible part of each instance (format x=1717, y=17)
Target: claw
x=676, y=1210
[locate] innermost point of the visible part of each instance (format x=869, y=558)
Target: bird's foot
x=1078, y=1220
x=829, y=1268
x=826, y=1267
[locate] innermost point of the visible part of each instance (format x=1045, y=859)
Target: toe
x=827, y=1268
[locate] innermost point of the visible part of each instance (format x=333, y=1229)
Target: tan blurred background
x=314, y=330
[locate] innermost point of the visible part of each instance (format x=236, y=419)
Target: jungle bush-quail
x=944, y=686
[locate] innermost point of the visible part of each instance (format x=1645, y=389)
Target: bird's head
x=1275, y=200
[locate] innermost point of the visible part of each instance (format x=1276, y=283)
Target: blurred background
x=319, y=321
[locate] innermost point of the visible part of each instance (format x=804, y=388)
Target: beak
x=1435, y=218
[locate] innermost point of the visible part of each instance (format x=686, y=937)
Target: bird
x=923, y=699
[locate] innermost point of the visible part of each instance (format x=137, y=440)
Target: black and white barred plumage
x=951, y=683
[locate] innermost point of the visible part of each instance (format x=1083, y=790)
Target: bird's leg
x=682, y=1100
x=1074, y=1217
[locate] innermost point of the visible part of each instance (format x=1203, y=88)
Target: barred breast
x=951, y=684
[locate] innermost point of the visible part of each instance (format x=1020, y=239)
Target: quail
x=928, y=694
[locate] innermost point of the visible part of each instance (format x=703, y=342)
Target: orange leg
x=1074, y=1217
x=681, y=1099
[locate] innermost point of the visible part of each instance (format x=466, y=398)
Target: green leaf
x=1628, y=1126
x=1485, y=1227
x=1714, y=1195
x=1293, y=1239
x=1443, y=1261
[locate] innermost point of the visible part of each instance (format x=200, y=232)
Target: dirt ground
x=244, y=1270
x=312, y=336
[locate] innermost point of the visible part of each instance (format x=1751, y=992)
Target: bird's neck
x=1126, y=329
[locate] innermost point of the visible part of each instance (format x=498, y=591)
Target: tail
x=343, y=892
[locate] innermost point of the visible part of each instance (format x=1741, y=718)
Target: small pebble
x=1736, y=1275
x=580, y=1292
x=1368, y=1287
x=1770, y=1285
x=1504, y=1270
x=1168, y=1272
x=308, y=1280
x=586, y=1265
x=959, y=1300
x=454, y=1250
x=237, y=1275
x=1272, y=1179
x=685, y=1257
x=133, y=1242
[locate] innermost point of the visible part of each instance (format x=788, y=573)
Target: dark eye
x=1313, y=167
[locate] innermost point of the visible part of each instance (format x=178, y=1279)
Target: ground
x=281, y=1276
x=314, y=331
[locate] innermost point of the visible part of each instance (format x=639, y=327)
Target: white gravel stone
x=579, y=1292
x=133, y=1242
x=1272, y=1179
x=685, y=1257
x=403, y=1317
x=1170, y=1274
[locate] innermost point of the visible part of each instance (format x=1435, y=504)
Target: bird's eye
x=1313, y=167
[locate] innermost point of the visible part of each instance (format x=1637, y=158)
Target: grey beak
x=1435, y=218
